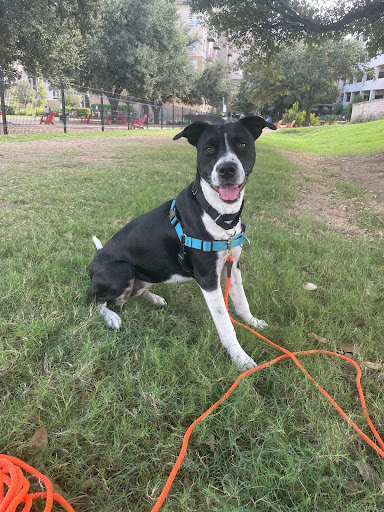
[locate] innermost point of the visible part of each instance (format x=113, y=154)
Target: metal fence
x=69, y=108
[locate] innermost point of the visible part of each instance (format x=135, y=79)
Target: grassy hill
x=331, y=140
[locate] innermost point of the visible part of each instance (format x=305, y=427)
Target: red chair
x=139, y=124
x=290, y=125
x=122, y=120
x=278, y=124
x=86, y=120
x=48, y=118
x=108, y=120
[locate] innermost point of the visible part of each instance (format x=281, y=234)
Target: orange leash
x=286, y=354
x=14, y=487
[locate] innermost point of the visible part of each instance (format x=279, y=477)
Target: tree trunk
x=114, y=102
x=308, y=106
x=307, y=121
x=156, y=113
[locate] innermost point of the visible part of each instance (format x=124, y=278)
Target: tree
x=263, y=27
x=40, y=94
x=23, y=93
x=72, y=98
x=44, y=36
x=308, y=72
x=214, y=84
x=140, y=46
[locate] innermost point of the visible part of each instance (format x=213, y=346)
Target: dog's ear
x=192, y=132
x=255, y=125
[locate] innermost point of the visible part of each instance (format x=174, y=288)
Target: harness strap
x=226, y=221
x=201, y=245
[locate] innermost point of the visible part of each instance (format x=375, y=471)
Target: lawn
x=116, y=404
x=331, y=140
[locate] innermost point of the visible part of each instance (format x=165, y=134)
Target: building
x=370, y=87
x=207, y=46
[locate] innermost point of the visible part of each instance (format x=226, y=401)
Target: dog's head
x=225, y=153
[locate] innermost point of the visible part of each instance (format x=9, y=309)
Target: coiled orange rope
x=14, y=487
x=286, y=354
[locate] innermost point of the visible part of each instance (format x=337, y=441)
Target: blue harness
x=195, y=243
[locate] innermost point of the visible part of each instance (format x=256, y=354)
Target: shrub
x=339, y=109
x=107, y=107
x=294, y=114
x=329, y=118
x=82, y=112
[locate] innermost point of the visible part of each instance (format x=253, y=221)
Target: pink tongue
x=229, y=192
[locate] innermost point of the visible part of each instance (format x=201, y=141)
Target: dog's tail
x=97, y=242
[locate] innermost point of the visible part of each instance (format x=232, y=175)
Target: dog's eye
x=209, y=149
x=242, y=145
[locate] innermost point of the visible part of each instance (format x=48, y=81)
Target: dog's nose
x=227, y=170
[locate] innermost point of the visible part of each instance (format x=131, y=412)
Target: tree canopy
x=213, y=84
x=307, y=73
x=263, y=27
x=139, y=46
x=45, y=37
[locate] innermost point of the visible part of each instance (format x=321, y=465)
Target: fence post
x=63, y=113
x=128, y=117
x=102, y=109
x=161, y=116
x=182, y=115
x=173, y=115
x=3, y=113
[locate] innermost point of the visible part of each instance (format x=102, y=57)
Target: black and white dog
x=188, y=238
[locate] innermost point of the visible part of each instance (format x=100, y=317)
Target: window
x=193, y=46
x=33, y=82
x=193, y=21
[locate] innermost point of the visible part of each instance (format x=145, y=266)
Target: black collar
x=227, y=221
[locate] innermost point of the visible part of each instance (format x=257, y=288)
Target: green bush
x=314, y=120
x=329, y=118
x=348, y=110
x=81, y=112
x=9, y=110
x=122, y=109
x=294, y=114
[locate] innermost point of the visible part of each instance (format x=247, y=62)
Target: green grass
x=27, y=137
x=334, y=140
x=116, y=405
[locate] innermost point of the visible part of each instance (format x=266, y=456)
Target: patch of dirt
x=82, y=149
x=322, y=198
x=365, y=170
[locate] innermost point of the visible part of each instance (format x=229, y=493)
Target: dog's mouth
x=230, y=192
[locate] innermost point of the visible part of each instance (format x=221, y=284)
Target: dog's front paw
x=246, y=363
x=155, y=299
x=111, y=318
x=257, y=324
